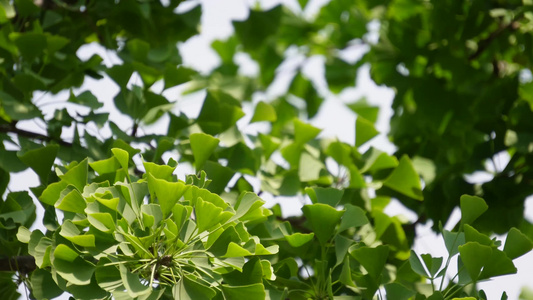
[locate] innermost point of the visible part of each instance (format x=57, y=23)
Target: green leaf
x=13, y=109
x=102, y=221
x=167, y=193
x=309, y=168
x=132, y=283
x=23, y=234
x=330, y=196
x=264, y=112
x=363, y=109
x=322, y=219
x=235, y=250
x=247, y=206
x=71, y=267
x=472, y=235
x=105, y=166
x=340, y=74
x=405, y=180
x=453, y=240
x=354, y=216
x=87, y=291
x=40, y=248
x=108, y=276
x=299, y=239
x=189, y=288
x=158, y=171
x=471, y=208
x=220, y=175
x=10, y=162
x=77, y=175
x=372, y=259
x=342, y=245
x=416, y=265
x=177, y=75
x=399, y=291
x=29, y=81
x=85, y=98
x=121, y=74
x=73, y=202
x=40, y=160
x=474, y=256
x=258, y=27
x=303, y=132
x=43, y=285
x=517, y=244
x=220, y=111
x=252, y=292
x=52, y=192
x=269, y=144
x=209, y=215
x=433, y=264
x=203, y=145
x=497, y=265
x=364, y=131
x=122, y=157
x=30, y=44
x=72, y=233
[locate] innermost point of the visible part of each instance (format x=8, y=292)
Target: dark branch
x=134, y=130
x=11, y=128
x=23, y=264
x=485, y=43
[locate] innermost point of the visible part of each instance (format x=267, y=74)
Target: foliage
x=119, y=223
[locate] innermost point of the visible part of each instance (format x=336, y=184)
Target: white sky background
x=333, y=117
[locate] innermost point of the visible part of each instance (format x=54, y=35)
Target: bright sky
x=216, y=24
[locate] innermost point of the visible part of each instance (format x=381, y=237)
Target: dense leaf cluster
x=119, y=223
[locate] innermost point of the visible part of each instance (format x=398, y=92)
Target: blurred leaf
x=264, y=112
x=517, y=244
x=177, y=75
x=405, y=180
x=219, y=112
x=365, y=110
x=399, y=291
x=85, y=98
x=372, y=259
x=203, y=145
x=303, y=132
x=354, y=216
x=260, y=25
x=364, y=131
x=40, y=160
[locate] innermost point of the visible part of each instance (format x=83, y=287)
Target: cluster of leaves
x=145, y=234
x=143, y=238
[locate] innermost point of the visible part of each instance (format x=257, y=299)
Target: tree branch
x=23, y=264
x=11, y=128
x=485, y=43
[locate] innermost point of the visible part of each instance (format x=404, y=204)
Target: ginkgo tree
x=119, y=223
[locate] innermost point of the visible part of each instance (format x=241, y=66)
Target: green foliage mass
x=118, y=223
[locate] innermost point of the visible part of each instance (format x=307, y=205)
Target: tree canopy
x=119, y=223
